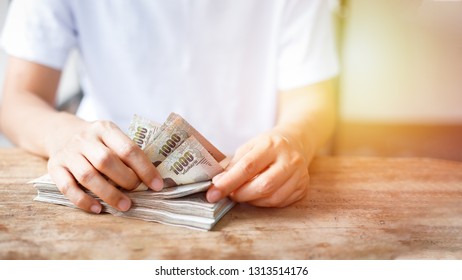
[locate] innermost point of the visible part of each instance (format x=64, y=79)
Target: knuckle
x=128, y=150
x=278, y=141
x=80, y=139
x=248, y=167
x=103, y=160
x=146, y=171
x=233, y=196
x=81, y=202
x=110, y=194
x=266, y=186
x=64, y=188
x=96, y=126
x=132, y=184
x=58, y=158
x=297, y=159
x=286, y=168
x=267, y=143
x=103, y=124
x=86, y=176
x=113, y=197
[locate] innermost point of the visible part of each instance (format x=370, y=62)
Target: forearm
x=32, y=123
x=27, y=113
x=308, y=115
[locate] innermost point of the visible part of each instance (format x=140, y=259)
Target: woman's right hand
x=96, y=155
x=99, y=157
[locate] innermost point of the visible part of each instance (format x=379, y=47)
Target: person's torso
x=213, y=62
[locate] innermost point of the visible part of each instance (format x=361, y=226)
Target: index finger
x=246, y=168
x=132, y=156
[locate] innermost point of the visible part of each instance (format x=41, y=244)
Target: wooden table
x=357, y=208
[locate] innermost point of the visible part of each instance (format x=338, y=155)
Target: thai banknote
x=143, y=131
x=189, y=163
x=173, y=132
x=190, y=211
x=46, y=184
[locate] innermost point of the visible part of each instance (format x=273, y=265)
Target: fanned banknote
x=143, y=131
x=173, y=133
x=189, y=163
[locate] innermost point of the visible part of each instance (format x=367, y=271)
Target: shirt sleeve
x=40, y=31
x=307, y=51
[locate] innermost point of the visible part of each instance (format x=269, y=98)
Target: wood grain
x=356, y=208
x=442, y=141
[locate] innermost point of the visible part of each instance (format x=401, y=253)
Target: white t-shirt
x=218, y=63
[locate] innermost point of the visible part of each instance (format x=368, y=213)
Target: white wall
x=402, y=61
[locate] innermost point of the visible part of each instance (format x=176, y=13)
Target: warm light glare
x=402, y=61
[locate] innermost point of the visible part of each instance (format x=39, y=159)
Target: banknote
x=143, y=131
x=189, y=163
x=46, y=184
x=193, y=211
x=173, y=132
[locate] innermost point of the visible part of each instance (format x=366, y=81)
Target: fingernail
x=213, y=195
x=95, y=208
x=124, y=204
x=217, y=178
x=157, y=184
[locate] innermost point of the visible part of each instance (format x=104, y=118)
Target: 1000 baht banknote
x=172, y=134
x=189, y=163
x=143, y=131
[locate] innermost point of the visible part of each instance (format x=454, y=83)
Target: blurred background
x=3, y=8
x=400, y=87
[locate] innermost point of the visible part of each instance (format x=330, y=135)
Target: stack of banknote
x=187, y=163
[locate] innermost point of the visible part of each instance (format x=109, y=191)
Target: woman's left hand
x=271, y=170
